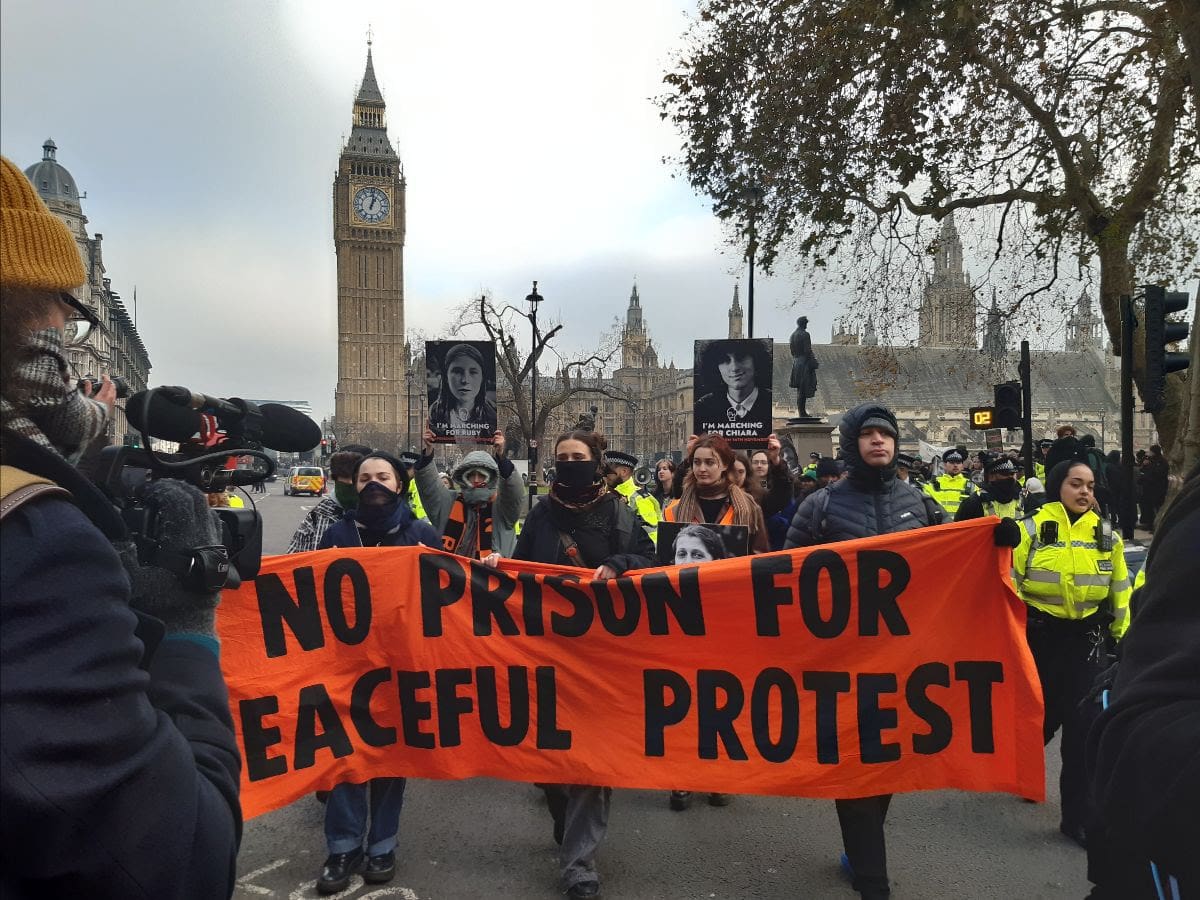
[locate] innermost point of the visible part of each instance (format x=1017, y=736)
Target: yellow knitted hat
x=36, y=247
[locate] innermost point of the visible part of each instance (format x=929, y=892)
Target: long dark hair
x=594, y=440
x=480, y=408
x=657, y=491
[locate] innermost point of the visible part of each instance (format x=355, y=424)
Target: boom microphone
x=280, y=427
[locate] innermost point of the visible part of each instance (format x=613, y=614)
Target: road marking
x=244, y=881
x=307, y=891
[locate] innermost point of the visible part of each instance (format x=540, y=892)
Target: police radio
x=1104, y=536
x=1048, y=533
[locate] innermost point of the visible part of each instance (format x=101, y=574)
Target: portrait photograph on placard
x=732, y=387
x=460, y=378
x=683, y=543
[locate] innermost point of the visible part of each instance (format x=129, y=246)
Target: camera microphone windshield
x=174, y=414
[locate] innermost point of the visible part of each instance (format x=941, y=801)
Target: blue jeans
x=346, y=816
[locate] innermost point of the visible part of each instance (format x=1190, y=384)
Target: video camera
x=213, y=436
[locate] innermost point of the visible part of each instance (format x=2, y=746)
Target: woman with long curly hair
x=711, y=494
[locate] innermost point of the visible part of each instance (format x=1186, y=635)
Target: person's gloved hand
x=162, y=585
x=1007, y=533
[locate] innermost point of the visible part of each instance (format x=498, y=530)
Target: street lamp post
x=408, y=394
x=755, y=192
x=533, y=299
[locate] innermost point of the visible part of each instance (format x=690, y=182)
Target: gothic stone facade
x=368, y=229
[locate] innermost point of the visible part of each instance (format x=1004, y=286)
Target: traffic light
x=1158, y=333
x=1007, y=397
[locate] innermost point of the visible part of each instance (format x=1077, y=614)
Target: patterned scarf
x=49, y=410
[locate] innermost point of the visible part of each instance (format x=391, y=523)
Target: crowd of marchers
x=121, y=768
x=1068, y=566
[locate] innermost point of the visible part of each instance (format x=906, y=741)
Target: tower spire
x=735, y=316
x=368, y=91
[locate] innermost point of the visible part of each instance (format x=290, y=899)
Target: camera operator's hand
x=182, y=522
x=107, y=394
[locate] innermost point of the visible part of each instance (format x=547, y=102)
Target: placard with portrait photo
x=461, y=384
x=683, y=543
x=732, y=390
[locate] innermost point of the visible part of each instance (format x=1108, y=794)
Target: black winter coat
x=870, y=501
x=1143, y=753
x=843, y=511
x=606, y=535
x=116, y=780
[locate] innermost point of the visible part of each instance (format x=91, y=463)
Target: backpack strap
x=18, y=487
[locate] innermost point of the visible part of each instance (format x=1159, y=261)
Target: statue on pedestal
x=804, y=367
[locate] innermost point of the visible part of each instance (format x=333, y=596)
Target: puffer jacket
x=868, y=502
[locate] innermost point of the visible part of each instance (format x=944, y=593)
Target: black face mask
x=376, y=504
x=575, y=479
x=1005, y=490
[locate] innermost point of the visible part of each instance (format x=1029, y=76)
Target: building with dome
x=115, y=347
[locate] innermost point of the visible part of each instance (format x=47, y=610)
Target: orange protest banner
x=884, y=665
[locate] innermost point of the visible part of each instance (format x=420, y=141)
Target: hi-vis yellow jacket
x=643, y=502
x=1072, y=577
x=950, y=490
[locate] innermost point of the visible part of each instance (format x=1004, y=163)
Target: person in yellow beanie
x=40, y=268
x=120, y=774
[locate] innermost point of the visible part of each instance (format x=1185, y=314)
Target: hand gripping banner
x=890, y=664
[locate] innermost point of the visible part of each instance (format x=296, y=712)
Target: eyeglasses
x=80, y=325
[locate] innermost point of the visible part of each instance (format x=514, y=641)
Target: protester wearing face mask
x=382, y=518
x=1000, y=497
x=120, y=774
x=478, y=515
x=331, y=509
x=1070, y=570
x=582, y=523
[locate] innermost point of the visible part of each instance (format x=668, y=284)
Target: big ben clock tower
x=368, y=235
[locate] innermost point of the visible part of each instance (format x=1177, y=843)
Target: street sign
x=994, y=438
x=982, y=417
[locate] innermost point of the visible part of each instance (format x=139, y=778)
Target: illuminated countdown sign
x=982, y=417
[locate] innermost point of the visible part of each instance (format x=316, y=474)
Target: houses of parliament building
x=644, y=407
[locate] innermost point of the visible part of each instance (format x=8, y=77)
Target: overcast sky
x=206, y=136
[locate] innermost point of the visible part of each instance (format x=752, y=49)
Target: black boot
x=380, y=868
x=335, y=876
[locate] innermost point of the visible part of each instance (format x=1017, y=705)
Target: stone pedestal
x=808, y=436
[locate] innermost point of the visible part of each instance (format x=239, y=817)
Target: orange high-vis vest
x=725, y=519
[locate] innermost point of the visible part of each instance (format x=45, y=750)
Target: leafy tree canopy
x=1075, y=121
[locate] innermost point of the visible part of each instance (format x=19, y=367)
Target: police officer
x=639, y=498
x=813, y=459
x=1001, y=496
x=1070, y=570
x=951, y=487
x=1039, y=458
x=410, y=461
x=906, y=470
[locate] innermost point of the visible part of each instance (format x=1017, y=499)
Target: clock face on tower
x=372, y=205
